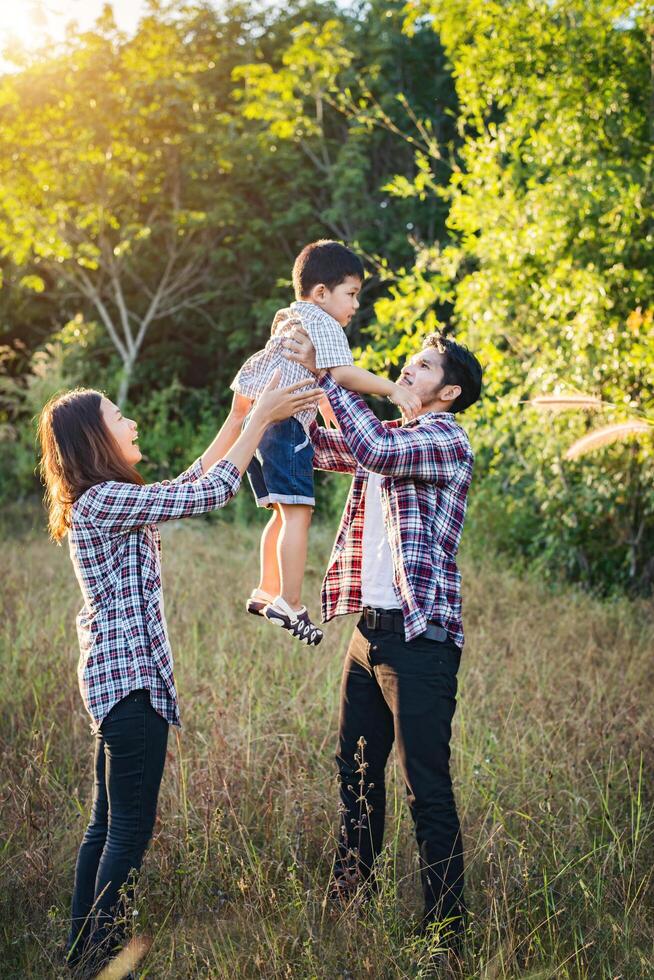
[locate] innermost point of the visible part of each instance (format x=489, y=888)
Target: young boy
x=327, y=278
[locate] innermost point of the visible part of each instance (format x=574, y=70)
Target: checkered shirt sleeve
x=331, y=451
x=432, y=451
x=120, y=507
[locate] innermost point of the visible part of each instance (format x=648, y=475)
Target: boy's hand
x=298, y=347
x=408, y=403
x=327, y=412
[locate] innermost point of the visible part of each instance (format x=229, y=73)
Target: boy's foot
x=296, y=621
x=258, y=601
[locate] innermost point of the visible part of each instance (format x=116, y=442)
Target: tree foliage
x=548, y=267
x=492, y=161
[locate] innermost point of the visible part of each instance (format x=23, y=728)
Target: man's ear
x=451, y=393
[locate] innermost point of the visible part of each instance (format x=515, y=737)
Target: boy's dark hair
x=324, y=262
x=460, y=367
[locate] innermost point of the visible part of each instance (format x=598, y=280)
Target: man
x=394, y=560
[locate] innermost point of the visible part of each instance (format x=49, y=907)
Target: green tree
x=111, y=163
x=548, y=258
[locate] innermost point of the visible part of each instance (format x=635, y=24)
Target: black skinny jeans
x=403, y=692
x=130, y=752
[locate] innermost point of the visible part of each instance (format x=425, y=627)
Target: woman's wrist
x=259, y=420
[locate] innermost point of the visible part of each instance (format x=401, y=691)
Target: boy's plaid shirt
x=115, y=549
x=427, y=465
x=327, y=337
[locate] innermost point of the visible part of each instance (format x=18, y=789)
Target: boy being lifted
x=327, y=279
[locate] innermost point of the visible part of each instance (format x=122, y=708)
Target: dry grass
x=606, y=436
x=552, y=755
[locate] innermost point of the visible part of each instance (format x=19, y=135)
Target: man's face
x=423, y=373
x=342, y=301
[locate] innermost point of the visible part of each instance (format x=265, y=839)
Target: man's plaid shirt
x=427, y=465
x=327, y=337
x=115, y=549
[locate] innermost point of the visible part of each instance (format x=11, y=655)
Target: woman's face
x=123, y=430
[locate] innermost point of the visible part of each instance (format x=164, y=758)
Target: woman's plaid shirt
x=428, y=467
x=115, y=549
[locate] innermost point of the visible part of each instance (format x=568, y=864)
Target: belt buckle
x=372, y=617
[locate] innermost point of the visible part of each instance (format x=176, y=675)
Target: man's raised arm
x=433, y=451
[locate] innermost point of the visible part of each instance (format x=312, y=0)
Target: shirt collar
x=429, y=417
x=303, y=305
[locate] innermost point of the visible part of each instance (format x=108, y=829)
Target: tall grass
x=552, y=755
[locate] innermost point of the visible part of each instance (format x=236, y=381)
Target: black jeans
x=130, y=752
x=403, y=692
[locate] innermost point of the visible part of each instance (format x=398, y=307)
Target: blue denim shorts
x=281, y=471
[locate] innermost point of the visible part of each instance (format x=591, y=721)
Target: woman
x=96, y=496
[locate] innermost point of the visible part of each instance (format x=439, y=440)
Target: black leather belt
x=392, y=621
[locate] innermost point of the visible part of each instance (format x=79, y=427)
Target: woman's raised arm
x=120, y=507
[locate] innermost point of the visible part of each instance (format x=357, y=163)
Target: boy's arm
x=366, y=383
x=433, y=452
x=333, y=353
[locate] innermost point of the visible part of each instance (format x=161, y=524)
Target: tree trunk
x=123, y=387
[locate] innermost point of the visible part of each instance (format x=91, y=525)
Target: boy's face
x=341, y=302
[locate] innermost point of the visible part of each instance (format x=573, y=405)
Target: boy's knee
x=297, y=513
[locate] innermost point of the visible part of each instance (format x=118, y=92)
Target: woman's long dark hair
x=77, y=451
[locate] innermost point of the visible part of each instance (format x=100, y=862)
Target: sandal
x=257, y=602
x=297, y=623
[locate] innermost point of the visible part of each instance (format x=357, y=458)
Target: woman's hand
x=275, y=403
x=298, y=347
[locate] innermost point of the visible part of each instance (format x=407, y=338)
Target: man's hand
x=327, y=412
x=408, y=403
x=298, y=347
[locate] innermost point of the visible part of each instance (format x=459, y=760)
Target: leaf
x=35, y=283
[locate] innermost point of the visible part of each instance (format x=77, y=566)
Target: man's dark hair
x=324, y=262
x=460, y=367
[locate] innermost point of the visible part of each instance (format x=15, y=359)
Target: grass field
x=553, y=759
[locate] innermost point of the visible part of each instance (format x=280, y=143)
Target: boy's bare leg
x=270, y=580
x=292, y=551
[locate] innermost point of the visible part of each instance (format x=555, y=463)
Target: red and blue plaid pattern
x=427, y=465
x=115, y=548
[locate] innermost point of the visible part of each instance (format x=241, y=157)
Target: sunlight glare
x=31, y=24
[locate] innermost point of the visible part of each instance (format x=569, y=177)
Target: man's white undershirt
x=377, y=563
